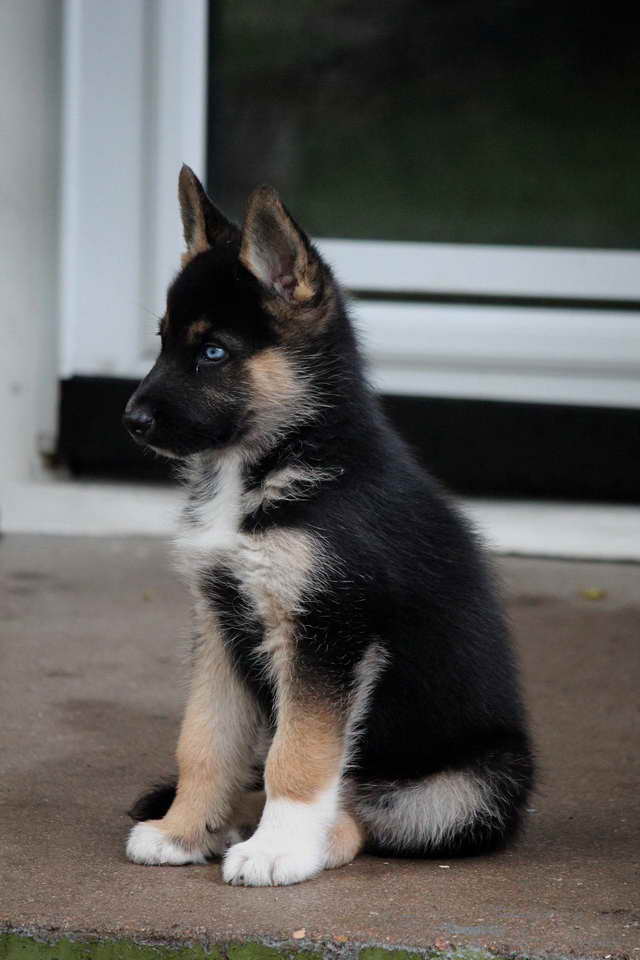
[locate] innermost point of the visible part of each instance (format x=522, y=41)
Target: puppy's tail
x=154, y=803
x=455, y=813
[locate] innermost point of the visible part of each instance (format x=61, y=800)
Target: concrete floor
x=90, y=692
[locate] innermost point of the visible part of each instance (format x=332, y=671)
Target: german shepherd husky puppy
x=352, y=687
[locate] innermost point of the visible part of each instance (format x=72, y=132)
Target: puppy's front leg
x=302, y=780
x=215, y=755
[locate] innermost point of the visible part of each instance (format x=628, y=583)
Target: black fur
x=404, y=570
x=155, y=802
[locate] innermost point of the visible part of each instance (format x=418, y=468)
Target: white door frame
x=134, y=109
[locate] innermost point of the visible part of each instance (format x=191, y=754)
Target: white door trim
x=486, y=269
x=134, y=109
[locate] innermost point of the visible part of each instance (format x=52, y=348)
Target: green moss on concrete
x=16, y=947
x=260, y=951
x=380, y=953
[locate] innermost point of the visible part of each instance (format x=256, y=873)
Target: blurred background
x=468, y=168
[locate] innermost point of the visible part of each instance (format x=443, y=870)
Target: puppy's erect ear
x=203, y=224
x=276, y=251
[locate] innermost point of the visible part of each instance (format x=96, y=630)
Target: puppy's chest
x=270, y=568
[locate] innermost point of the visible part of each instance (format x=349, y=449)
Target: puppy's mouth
x=187, y=447
x=162, y=451
x=156, y=448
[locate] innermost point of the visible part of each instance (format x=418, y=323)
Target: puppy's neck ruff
x=213, y=513
x=222, y=494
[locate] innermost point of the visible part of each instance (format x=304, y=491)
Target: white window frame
x=574, y=353
x=126, y=132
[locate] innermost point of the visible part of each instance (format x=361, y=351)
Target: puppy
x=352, y=683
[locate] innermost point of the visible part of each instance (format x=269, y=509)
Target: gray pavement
x=92, y=633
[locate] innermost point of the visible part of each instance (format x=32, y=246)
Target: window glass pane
x=449, y=120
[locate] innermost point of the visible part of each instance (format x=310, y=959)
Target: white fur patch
x=367, y=674
x=274, y=568
x=287, y=484
x=290, y=844
x=147, y=844
x=277, y=562
x=428, y=812
x=214, y=515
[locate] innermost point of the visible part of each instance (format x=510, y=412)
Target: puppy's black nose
x=139, y=421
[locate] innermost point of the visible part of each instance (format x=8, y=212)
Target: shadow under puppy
x=349, y=651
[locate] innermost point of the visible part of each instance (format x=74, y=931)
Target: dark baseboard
x=476, y=447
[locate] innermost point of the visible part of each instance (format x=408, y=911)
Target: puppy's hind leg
x=346, y=840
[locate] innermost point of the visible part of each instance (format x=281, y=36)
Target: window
x=450, y=120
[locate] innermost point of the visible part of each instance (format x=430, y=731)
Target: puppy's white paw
x=147, y=844
x=271, y=863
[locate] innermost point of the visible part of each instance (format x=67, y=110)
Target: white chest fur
x=211, y=523
x=273, y=567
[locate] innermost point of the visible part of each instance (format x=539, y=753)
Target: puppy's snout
x=139, y=420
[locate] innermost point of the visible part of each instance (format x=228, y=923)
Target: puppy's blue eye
x=212, y=353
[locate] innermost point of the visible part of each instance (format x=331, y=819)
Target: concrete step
x=92, y=633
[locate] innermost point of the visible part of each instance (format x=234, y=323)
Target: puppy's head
x=243, y=316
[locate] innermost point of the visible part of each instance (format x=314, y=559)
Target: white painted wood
x=30, y=91
x=104, y=120
x=89, y=509
x=568, y=388
x=134, y=103
x=522, y=337
x=525, y=353
x=177, y=135
x=583, y=531
x=484, y=269
x=572, y=531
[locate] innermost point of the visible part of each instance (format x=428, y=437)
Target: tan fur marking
x=303, y=291
x=215, y=746
x=305, y=312
x=306, y=754
x=272, y=375
x=279, y=396
x=276, y=568
x=308, y=747
x=196, y=330
x=346, y=840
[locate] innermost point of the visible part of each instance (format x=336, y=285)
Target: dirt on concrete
x=92, y=639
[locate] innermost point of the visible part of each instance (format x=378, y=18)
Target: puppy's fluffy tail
x=455, y=813
x=154, y=803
